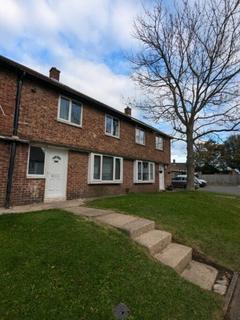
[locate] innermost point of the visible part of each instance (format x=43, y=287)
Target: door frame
x=63, y=198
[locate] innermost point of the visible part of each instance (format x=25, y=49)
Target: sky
x=88, y=40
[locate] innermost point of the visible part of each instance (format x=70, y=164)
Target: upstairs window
x=159, y=143
x=105, y=169
x=140, y=136
x=70, y=111
x=36, y=161
x=112, y=126
x=144, y=172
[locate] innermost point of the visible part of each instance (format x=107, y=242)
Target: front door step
x=201, y=274
x=155, y=240
x=175, y=256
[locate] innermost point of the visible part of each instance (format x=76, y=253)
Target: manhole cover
x=121, y=311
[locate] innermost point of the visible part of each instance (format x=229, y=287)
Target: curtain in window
x=36, y=161
x=64, y=108
x=96, y=170
x=107, y=168
x=76, y=113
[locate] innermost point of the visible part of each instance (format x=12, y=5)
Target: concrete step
x=116, y=220
x=175, y=256
x=154, y=240
x=200, y=274
x=88, y=212
x=137, y=227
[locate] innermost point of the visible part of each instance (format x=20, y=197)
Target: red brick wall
x=28, y=190
x=38, y=121
x=7, y=101
x=78, y=180
x=4, y=161
x=25, y=190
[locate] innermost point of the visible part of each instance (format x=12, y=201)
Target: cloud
x=85, y=39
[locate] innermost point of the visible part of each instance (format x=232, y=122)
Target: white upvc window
x=105, y=169
x=36, y=162
x=112, y=126
x=159, y=143
x=140, y=136
x=70, y=111
x=144, y=171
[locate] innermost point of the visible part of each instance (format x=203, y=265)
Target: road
x=234, y=190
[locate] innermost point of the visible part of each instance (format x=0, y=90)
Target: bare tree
x=188, y=66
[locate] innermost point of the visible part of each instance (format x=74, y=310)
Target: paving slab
x=88, y=212
x=155, y=240
x=175, y=256
x=43, y=206
x=137, y=227
x=200, y=274
x=116, y=220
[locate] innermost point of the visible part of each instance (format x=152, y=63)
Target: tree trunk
x=190, y=161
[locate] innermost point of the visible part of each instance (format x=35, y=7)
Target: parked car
x=202, y=182
x=180, y=181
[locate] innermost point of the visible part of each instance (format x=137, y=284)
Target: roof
x=179, y=166
x=54, y=83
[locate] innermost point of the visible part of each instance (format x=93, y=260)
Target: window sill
x=159, y=149
x=144, y=182
x=35, y=176
x=105, y=182
x=69, y=123
x=110, y=135
x=140, y=144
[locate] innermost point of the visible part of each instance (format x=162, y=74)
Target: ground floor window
x=36, y=161
x=144, y=171
x=105, y=169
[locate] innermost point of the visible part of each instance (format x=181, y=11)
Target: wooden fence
x=222, y=179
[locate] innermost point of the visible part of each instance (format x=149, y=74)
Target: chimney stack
x=54, y=73
x=128, y=111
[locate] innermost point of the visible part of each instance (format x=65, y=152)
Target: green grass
x=205, y=221
x=54, y=265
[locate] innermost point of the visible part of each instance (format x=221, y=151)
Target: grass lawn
x=54, y=265
x=205, y=221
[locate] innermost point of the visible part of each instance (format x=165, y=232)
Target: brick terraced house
x=57, y=143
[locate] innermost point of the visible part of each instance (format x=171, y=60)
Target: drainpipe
x=14, y=143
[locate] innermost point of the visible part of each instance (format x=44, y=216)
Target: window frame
x=36, y=176
x=140, y=129
x=70, y=112
x=91, y=179
x=136, y=180
x=159, y=137
x=112, y=118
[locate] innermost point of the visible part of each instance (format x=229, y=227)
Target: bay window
x=144, y=171
x=105, y=169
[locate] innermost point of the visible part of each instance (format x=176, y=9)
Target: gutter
x=14, y=139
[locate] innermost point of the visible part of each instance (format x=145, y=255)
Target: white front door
x=56, y=174
x=161, y=177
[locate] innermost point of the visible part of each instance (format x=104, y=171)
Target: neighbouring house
x=57, y=143
x=177, y=168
